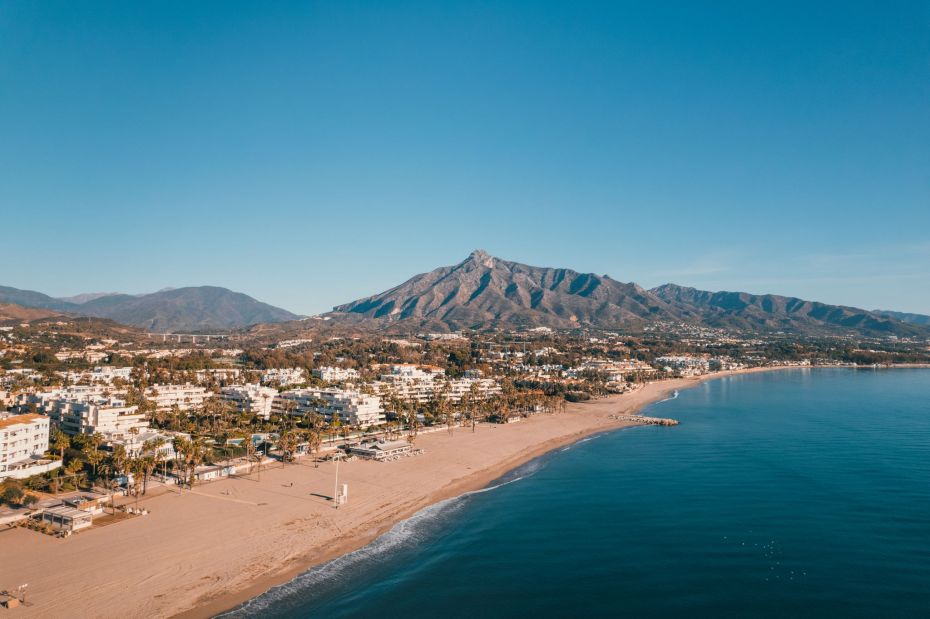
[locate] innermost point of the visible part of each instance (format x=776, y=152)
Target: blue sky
x=312, y=153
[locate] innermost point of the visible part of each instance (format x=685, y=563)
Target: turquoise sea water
x=801, y=493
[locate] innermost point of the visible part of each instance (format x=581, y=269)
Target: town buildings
x=335, y=375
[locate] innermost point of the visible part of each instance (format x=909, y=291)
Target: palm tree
x=334, y=425
x=249, y=452
x=287, y=443
x=62, y=442
x=75, y=470
x=119, y=458
x=148, y=465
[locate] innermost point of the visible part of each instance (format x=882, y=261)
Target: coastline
x=203, y=552
x=228, y=601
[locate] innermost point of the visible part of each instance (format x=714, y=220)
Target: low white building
x=382, y=450
x=335, y=375
x=252, y=399
x=349, y=407
x=23, y=442
x=135, y=443
x=185, y=397
x=103, y=374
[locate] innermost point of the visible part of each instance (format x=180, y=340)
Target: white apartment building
x=252, y=399
x=41, y=400
x=185, y=397
x=350, y=407
x=283, y=376
x=421, y=384
x=108, y=416
x=334, y=375
x=23, y=441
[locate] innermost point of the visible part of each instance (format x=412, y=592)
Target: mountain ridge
x=484, y=292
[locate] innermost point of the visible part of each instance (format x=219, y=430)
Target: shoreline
x=228, y=601
x=205, y=551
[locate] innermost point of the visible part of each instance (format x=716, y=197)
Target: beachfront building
x=185, y=397
x=350, y=407
x=252, y=399
x=381, y=450
x=109, y=416
x=23, y=442
x=335, y=375
x=421, y=384
x=611, y=369
x=156, y=442
x=65, y=518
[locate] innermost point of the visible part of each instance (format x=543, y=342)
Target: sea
x=796, y=493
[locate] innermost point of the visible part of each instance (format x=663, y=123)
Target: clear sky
x=312, y=153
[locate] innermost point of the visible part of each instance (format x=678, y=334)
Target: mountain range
x=486, y=292
x=483, y=292
x=196, y=309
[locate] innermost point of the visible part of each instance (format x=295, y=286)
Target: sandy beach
x=203, y=551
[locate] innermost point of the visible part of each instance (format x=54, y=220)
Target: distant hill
x=914, y=319
x=31, y=298
x=486, y=292
x=200, y=308
x=10, y=313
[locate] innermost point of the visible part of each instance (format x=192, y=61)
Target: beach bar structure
x=64, y=518
x=381, y=450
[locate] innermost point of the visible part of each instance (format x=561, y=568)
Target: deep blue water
x=785, y=494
